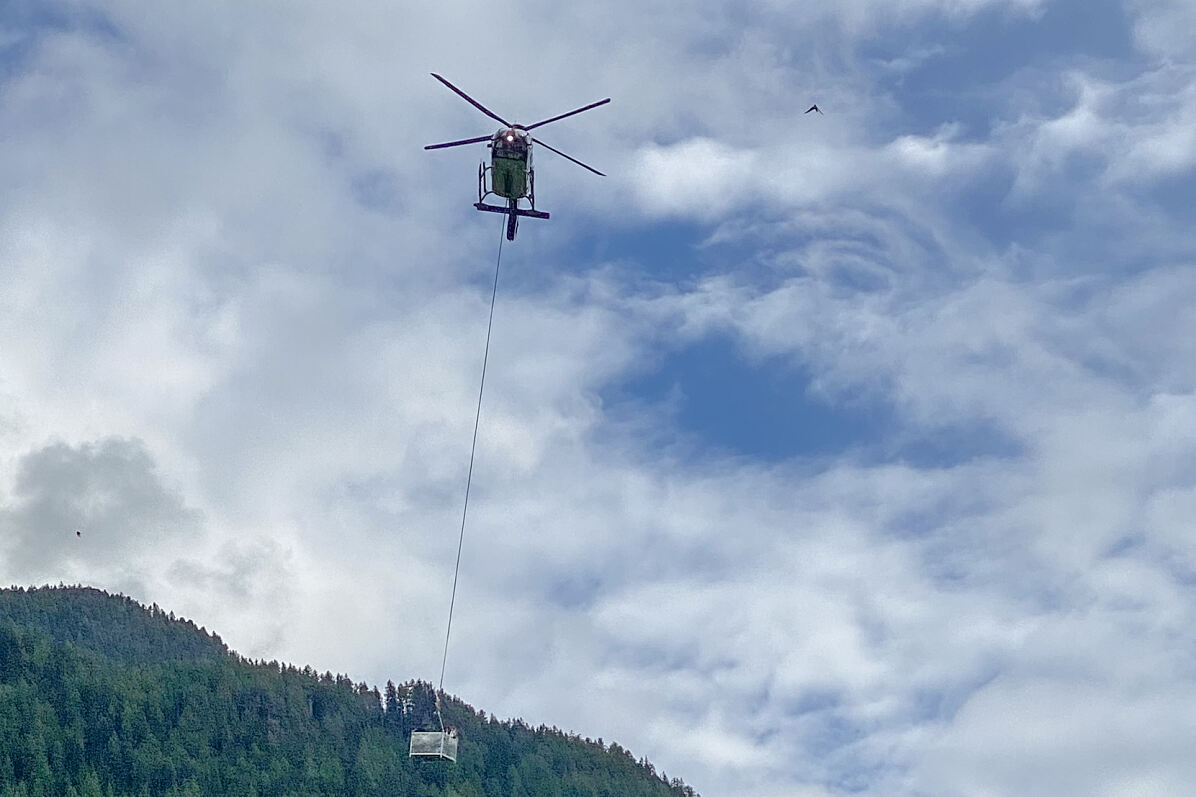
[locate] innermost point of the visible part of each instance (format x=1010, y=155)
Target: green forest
x=103, y=697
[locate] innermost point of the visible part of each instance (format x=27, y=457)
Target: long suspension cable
x=469, y=478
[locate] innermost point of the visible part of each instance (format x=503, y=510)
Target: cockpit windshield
x=511, y=139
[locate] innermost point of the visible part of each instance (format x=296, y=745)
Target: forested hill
x=102, y=697
x=112, y=625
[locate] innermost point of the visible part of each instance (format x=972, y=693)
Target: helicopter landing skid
x=535, y=214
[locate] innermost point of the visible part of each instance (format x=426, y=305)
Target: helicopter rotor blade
x=477, y=140
x=562, y=116
x=568, y=157
x=472, y=101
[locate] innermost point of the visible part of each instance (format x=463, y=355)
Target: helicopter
x=510, y=174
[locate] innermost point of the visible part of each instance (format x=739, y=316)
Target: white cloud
x=1050, y=736
x=1160, y=27
x=699, y=176
x=864, y=17
x=225, y=250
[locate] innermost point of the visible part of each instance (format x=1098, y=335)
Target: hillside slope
x=100, y=697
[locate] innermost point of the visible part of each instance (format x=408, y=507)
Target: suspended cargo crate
x=434, y=744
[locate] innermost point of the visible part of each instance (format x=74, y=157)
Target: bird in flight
x=78, y=533
x=814, y=108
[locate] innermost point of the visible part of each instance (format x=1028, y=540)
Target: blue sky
x=821, y=455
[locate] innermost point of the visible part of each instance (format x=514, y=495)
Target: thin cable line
x=469, y=479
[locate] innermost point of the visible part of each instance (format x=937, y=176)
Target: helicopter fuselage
x=510, y=162
x=509, y=176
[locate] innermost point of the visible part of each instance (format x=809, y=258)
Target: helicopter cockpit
x=511, y=142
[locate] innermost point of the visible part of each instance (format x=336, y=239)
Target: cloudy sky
x=830, y=454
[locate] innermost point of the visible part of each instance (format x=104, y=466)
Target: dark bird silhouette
x=78, y=533
x=814, y=108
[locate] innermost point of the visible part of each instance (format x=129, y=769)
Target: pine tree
x=90, y=785
x=391, y=704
